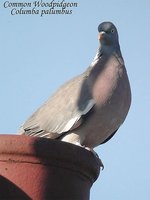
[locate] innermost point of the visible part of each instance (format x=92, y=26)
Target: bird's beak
x=101, y=35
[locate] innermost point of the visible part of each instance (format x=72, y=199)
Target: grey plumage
x=88, y=109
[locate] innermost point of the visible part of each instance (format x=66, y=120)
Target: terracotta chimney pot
x=44, y=169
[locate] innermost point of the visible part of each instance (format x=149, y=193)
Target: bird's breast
x=108, y=81
x=111, y=92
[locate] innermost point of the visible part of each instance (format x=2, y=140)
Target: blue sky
x=38, y=54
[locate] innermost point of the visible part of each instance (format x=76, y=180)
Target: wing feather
x=63, y=110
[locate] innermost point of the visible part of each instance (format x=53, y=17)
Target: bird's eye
x=112, y=30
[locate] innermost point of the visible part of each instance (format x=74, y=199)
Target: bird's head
x=108, y=35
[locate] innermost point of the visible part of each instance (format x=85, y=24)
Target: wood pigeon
x=88, y=109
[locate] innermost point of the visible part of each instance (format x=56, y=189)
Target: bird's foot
x=95, y=154
x=92, y=151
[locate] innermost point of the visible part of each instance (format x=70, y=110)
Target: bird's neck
x=107, y=51
x=97, y=57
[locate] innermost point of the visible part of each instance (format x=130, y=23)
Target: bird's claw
x=93, y=152
x=96, y=155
